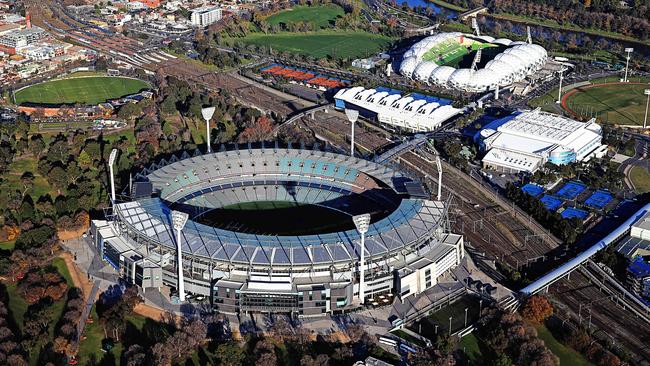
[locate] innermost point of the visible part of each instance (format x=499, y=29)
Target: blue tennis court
x=571, y=212
x=551, y=203
x=599, y=199
x=533, y=189
x=571, y=190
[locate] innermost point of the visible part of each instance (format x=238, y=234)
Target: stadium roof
x=427, y=61
x=416, y=112
x=410, y=222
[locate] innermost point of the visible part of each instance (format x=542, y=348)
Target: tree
x=537, y=309
x=229, y=354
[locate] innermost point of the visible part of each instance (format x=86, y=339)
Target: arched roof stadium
x=427, y=61
x=220, y=179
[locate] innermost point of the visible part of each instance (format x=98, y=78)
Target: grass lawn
x=84, y=90
x=11, y=179
x=319, y=16
x=641, y=179
x=8, y=245
x=441, y=318
x=407, y=337
x=469, y=344
x=90, y=347
x=321, y=44
x=566, y=355
x=618, y=103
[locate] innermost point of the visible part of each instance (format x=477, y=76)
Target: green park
x=87, y=90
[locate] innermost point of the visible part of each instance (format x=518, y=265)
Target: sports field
x=278, y=218
x=452, y=51
x=321, y=44
x=82, y=90
x=616, y=103
x=319, y=16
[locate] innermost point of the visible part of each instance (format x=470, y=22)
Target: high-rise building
x=204, y=16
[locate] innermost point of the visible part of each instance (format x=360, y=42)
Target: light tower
x=111, y=161
x=559, y=91
x=628, y=50
x=353, y=116
x=207, y=114
x=645, y=119
x=362, y=222
x=178, y=221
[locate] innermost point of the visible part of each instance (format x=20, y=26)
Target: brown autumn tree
x=261, y=130
x=537, y=309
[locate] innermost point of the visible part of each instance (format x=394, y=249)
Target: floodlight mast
x=207, y=114
x=178, y=221
x=353, y=116
x=628, y=50
x=559, y=91
x=362, y=222
x=645, y=119
x=111, y=161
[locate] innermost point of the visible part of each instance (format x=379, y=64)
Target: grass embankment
x=84, y=90
x=641, y=179
x=566, y=355
x=566, y=26
x=319, y=16
x=18, y=307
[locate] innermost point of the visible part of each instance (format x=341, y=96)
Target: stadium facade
x=407, y=248
x=412, y=112
x=524, y=141
x=445, y=60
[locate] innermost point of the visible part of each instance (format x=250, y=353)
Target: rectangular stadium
x=450, y=60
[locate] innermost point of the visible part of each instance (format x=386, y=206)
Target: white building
x=204, y=16
x=413, y=112
x=525, y=141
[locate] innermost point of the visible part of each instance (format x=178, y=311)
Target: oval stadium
x=271, y=230
x=446, y=60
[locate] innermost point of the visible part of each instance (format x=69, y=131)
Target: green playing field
x=618, y=103
x=336, y=44
x=451, y=52
x=83, y=90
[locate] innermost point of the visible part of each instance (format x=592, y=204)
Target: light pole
x=111, y=161
x=465, y=317
x=207, y=114
x=362, y=222
x=559, y=91
x=353, y=116
x=645, y=119
x=450, y=326
x=178, y=221
x=627, y=61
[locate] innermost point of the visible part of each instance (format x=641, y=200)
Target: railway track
x=584, y=301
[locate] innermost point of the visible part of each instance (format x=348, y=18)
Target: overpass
x=472, y=13
x=565, y=269
x=401, y=149
x=309, y=111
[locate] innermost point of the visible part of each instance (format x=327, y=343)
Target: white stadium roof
x=413, y=112
x=514, y=64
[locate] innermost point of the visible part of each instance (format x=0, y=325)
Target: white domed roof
x=441, y=74
x=513, y=61
x=408, y=65
x=424, y=70
x=460, y=77
x=483, y=79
